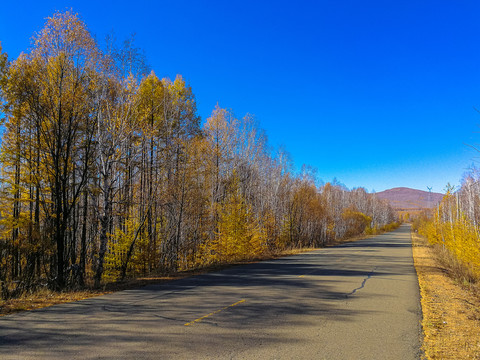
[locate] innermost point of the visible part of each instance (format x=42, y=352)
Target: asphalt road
x=355, y=301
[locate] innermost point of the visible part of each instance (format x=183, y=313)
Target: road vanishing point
x=359, y=300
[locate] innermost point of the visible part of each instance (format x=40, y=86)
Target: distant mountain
x=403, y=198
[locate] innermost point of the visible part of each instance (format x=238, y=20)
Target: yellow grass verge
x=44, y=298
x=451, y=312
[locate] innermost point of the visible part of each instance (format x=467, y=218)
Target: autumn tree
x=180, y=127
x=51, y=88
x=3, y=70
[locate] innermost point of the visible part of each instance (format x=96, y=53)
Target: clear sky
x=378, y=94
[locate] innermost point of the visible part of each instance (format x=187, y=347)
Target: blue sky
x=378, y=94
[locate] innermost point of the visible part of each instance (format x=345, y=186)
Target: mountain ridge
x=404, y=198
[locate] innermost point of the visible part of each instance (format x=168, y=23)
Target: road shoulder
x=451, y=312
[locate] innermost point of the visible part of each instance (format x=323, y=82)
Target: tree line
x=108, y=172
x=455, y=223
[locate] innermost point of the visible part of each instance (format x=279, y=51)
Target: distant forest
x=108, y=172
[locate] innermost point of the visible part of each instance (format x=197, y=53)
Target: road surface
x=355, y=301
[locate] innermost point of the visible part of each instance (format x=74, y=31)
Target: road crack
x=369, y=275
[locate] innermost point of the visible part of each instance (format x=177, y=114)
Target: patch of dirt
x=451, y=312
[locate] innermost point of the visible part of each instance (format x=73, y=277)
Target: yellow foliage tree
x=239, y=235
x=126, y=248
x=357, y=222
x=454, y=231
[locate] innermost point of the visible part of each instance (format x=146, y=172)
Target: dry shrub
x=459, y=271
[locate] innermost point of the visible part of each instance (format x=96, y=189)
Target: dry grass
x=351, y=239
x=451, y=310
x=44, y=298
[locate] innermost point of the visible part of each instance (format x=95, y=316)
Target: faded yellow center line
x=309, y=273
x=213, y=313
